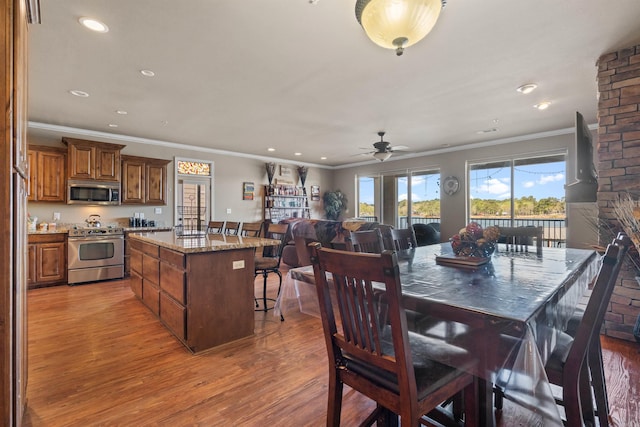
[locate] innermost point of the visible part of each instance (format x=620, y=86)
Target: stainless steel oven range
x=95, y=253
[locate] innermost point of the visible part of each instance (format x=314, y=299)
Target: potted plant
x=335, y=202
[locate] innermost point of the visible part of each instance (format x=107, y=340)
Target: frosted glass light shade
x=382, y=156
x=397, y=24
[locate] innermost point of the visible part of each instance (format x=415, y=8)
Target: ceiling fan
x=384, y=149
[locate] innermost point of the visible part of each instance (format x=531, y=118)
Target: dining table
x=519, y=298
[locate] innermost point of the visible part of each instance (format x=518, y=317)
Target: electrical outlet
x=237, y=265
x=158, y=211
x=56, y=216
x=228, y=210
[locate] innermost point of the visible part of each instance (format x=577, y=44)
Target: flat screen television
x=585, y=187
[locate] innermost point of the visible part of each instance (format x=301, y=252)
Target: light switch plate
x=228, y=210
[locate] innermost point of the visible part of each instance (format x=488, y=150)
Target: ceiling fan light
x=398, y=24
x=382, y=155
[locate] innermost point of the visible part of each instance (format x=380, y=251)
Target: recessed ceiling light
x=94, y=25
x=121, y=112
x=113, y=125
x=323, y=158
x=80, y=93
x=543, y=105
x=147, y=73
x=297, y=154
x=527, y=88
x=271, y=149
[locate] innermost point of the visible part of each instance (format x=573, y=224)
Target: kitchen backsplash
x=109, y=215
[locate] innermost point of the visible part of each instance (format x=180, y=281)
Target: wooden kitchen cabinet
x=144, y=181
x=92, y=160
x=47, y=258
x=46, y=174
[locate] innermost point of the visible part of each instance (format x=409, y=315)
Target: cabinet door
x=50, y=177
x=156, y=184
x=33, y=171
x=107, y=164
x=31, y=264
x=133, y=182
x=51, y=262
x=82, y=160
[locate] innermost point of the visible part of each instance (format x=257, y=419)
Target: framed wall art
x=315, y=192
x=285, y=171
x=247, y=190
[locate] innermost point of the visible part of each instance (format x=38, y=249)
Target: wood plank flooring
x=98, y=357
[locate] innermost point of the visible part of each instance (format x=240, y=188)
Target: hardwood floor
x=97, y=356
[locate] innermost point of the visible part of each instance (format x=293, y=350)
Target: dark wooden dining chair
x=570, y=363
x=369, y=347
x=251, y=229
x=231, y=228
x=518, y=239
x=404, y=238
x=269, y=262
x=369, y=241
x=596, y=366
x=215, y=227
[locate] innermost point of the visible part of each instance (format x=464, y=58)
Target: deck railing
x=554, y=230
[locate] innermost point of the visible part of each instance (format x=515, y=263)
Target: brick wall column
x=618, y=167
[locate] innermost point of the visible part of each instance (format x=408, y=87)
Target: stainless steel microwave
x=93, y=192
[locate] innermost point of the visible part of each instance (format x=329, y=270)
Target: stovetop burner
x=95, y=231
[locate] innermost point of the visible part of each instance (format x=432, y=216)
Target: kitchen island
x=200, y=288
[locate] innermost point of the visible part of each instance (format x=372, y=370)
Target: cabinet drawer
x=135, y=281
x=151, y=296
x=47, y=238
x=151, y=269
x=172, y=281
x=173, y=315
x=150, y=249
x=134, y=244
x=172, y=257
x=135, y=260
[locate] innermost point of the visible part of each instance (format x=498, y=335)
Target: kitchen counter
x=207, y=243
x=201, y=289
x=141, y=229
x=56, y=231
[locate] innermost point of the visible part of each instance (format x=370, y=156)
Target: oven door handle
x=94, y=238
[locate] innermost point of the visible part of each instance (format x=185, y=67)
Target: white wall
x=229, y=174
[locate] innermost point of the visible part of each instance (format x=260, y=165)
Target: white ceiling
x=243, y=76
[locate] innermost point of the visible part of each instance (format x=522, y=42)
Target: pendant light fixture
x=397, y=24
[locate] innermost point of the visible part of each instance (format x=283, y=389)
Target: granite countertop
x=139, y=229
x=56, y=231
x=207, y=243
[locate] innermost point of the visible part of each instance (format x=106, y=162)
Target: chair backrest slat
x=231, y=227
x=215, y=227
x=518, y=239
x=593, y=316
x=369, y=241
x=251, y=229
x=363, y=309
x=404, y=238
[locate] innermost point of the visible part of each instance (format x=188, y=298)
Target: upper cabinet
x=93, y=160
x=46, y=174
x=144, y=180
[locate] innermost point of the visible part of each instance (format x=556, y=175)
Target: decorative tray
x=462, y=261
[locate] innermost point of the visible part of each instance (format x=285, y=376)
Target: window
x=520, y=192
x=400, y=199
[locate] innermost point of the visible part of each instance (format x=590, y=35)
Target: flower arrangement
x=475, y=241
